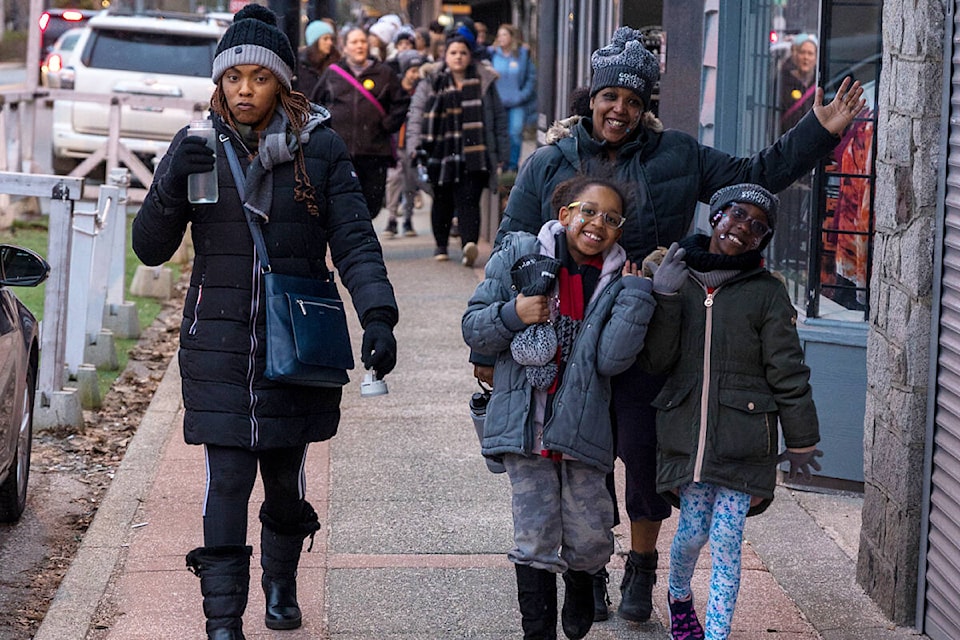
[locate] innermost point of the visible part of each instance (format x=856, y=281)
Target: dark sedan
x=19, y=358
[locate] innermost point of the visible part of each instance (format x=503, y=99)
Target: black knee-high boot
x=537, y=595
x=280, y=546
x=224, y=582
x=578, y=605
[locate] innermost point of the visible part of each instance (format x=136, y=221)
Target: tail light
x=67, y=77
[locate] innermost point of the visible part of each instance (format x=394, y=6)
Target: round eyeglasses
x=740, y=215
x=588, y=209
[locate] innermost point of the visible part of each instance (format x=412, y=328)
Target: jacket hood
x=613, y=258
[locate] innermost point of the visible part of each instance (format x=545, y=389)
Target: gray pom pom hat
x=626, y=63
x=254, y=38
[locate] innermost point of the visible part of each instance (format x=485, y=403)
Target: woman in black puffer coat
x=300, y=182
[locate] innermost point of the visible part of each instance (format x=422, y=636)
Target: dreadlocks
x=297, y=108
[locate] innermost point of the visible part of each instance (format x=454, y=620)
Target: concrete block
x=122, y=320
x=152, y=282
x=88, y=388
x=59, y=409
x=102, y=353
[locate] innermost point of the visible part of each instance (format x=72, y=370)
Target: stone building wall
x=898, y=353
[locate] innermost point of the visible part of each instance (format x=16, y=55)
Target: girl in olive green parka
x=728, y=342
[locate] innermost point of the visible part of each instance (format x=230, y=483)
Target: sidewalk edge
x=103, y=546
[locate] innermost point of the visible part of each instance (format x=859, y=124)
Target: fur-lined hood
x=562, y=128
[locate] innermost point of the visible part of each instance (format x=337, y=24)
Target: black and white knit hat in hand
x=254, y=38
x=625, y=62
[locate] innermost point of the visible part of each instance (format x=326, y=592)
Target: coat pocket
x=677, y=420
x=746, y=425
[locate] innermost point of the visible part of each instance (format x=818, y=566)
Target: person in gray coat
x=548, y=415
x=674, y=172
x=301, y=186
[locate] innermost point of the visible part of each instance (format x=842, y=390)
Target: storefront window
x=823, y=241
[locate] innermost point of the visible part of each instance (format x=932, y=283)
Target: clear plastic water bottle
x=202, y=188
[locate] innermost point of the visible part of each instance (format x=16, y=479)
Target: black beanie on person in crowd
x=254, y=38
x=626, y=63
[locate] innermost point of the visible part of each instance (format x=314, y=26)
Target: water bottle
x=202, y=187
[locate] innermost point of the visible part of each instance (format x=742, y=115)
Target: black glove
x=379, y=349
x=800, y=463
x=671, y=273
x=192, y=155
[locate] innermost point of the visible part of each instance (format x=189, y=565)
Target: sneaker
x=391, y=230
x=601, y=600
x=440, y=254
x=408, y=230
x=683, y=620
x=470, y=252
x=639, y=576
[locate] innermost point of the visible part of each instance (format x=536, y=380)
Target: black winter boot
x=224, y=581
x=601, y=600
x=280, y=547
x=639, y=576
x=537, y=595
x=577, y=613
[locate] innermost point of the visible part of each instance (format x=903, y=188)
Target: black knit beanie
x=625, y=62
x=254, y=38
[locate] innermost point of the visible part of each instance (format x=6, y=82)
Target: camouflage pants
x=562, y=514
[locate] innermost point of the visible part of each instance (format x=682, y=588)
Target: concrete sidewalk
x=415, y=530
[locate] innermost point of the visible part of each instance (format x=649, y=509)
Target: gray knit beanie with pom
x=625, y=62
x=254, y=38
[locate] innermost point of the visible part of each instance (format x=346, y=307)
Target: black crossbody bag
x=308, y=343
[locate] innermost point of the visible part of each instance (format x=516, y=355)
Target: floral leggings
x=708, y=511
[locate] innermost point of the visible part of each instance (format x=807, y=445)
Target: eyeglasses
x=740, y=215
x=610, y=218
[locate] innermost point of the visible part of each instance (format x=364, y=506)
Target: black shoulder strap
x=254, y=225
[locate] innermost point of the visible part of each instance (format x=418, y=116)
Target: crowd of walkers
x=602, y=328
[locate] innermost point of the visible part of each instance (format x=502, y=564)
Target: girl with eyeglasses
x=548, y=417
x=727, y=341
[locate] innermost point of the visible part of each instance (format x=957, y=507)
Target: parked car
x=145, y=55
x=54, y=22
x=58, y=57
x=19, y=359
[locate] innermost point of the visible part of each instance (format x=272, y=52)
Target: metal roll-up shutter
x=941, y=594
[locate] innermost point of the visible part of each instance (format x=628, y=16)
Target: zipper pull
x=303, y=309
x=708, y=301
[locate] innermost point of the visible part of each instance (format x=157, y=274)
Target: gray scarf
x=277, y=145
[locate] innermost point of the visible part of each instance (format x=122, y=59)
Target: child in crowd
x=728, y=341
x=551, y=423
x=402, y=184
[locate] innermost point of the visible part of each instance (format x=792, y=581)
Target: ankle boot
x=280, y=546
x=224, y=581
x=577, y=613
x=639, y=576
x=537, y=596
x=601, y=600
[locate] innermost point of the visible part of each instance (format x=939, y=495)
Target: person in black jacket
x=300, y=186
x=367, y=106
x=674, y=172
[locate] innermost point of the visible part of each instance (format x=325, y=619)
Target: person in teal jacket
x=727, y=341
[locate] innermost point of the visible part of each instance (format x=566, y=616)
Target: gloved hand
x=379, y=349
x=671, y=273
x=800, y=463
x=192, y=155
